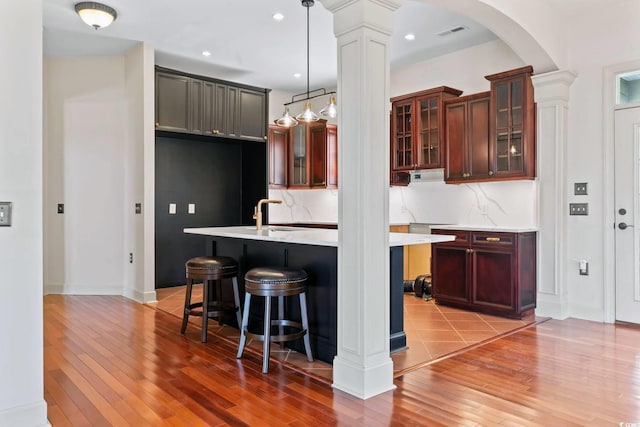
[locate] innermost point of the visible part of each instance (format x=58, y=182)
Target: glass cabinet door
x=299, y=156
x=402, y=135
x=509, y=126
x=429, y=133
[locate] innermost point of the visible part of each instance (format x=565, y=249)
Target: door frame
x=608, y=196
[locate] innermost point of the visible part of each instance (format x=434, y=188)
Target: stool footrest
x=283, y=337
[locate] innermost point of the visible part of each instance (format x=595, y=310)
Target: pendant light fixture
x=96, y=15
x=307, y=115
x=330, y=109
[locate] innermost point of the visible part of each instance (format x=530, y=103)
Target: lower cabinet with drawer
x=489, y=272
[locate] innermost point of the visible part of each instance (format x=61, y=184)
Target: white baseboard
x=31, y=415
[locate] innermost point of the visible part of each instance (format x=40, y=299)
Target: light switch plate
x=172, y=208
x=192, y=208
x=578, y=208
x=5, y=214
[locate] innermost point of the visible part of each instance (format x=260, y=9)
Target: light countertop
x=496, y=229
x=308, y=236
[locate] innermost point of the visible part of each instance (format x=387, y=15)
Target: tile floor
x=433, y=332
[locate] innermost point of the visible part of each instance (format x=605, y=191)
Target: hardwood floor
x=433, y=332
x=111, y=361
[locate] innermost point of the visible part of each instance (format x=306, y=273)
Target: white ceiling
x=247, y=44
x=249, y=47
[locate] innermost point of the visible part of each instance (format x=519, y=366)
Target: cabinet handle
x=157, y=124
x=469, y=250
x=490, y=173
x=493, y=239
x=264, y=137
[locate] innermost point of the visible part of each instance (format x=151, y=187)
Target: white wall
x=500, y=203
x=84, y=138
x=597, y=39
x=21, y=357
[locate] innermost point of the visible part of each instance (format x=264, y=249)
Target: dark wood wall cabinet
x=304, y=156
x=200, y=105
x=485, y=136
x=512, y=124
x=489, y=272
x=417, y=138
x=467, y=153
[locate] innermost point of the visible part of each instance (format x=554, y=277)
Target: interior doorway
x=627, y=213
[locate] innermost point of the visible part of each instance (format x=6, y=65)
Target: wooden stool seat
x=209, y=270
x=275, y=282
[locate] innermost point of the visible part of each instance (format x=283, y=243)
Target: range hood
x=427, y=175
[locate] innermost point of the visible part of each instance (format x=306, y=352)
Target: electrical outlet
x=191, y=208
x=580, y=188
x=5, y=214
x=578, y=208
x=138, y=208
x=60, y=208
x=172, y=208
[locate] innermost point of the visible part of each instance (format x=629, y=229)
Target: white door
x=627, y=225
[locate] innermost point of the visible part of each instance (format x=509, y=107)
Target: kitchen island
x=316, y=251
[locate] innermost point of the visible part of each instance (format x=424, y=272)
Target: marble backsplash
x=504, y=204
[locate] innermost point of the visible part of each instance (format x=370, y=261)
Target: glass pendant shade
x=307, y=115
x=287, y=120
x=330, y=110
x=96, y=15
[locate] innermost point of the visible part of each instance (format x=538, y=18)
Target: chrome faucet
x=257, y=212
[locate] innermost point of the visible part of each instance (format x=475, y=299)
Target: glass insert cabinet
x=417, y=138
x=512, y=123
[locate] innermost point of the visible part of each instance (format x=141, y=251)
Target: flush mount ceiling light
x=96, y=15
x=307, y=115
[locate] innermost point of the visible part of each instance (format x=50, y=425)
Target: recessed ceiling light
x=410, y=36
x=297, y=75
x=278, y=16
x=206, y=53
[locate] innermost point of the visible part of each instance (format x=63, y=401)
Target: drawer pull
x=493, y=239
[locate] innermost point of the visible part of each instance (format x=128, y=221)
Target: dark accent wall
x=224, y=178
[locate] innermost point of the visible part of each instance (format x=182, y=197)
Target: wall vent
x=452, y=30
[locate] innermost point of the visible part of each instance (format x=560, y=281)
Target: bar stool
x=275, y=282
x=209, y=269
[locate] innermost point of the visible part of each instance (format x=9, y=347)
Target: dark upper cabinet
x=417, y=137
x=512, y=124
x=332, y=156
x=198, y=105
x=173, y=102
x=278, y=148
x=491, y=272
x=252, y=114
x=467, y=154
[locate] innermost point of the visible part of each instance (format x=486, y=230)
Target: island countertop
x=309, y=236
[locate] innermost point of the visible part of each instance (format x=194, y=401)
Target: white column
x=552, y=98
x=363, y=366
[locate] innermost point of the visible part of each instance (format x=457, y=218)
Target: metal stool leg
x=236, y=298
x=267, y=334
x=219, y=300
x=305, y=325
x=243, y=324
x=187, y=304
x=281, y=317
x=205, y=309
